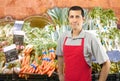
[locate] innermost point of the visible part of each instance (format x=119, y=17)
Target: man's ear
x=83, y=18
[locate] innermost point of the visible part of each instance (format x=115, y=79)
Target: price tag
x=10, y=53
x=18, y=37
x=18, y=25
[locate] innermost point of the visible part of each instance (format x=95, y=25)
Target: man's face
x=75, y=19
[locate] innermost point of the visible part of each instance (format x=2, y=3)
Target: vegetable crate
x=111, y=77
x=54, y=77
x=31, y=77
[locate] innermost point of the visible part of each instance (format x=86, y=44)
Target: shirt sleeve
x=59, y=49
x=98, y=51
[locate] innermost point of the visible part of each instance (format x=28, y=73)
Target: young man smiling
x=76, y=48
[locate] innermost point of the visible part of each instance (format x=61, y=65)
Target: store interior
x=38, y=24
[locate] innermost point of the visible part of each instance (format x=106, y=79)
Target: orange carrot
x=50, y=72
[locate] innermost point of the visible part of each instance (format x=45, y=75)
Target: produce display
x=36, y=55
x=103, y=22
x=115, y=67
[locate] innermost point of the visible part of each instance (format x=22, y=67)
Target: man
x=75, y=49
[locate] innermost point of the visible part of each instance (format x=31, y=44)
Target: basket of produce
x=6, y=20
x=114, y=75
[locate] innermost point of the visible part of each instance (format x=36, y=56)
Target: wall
x=20, y=9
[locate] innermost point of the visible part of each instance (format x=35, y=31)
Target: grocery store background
x=20, y=9
x=33, y=11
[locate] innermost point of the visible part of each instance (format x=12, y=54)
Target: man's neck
x=75, y=33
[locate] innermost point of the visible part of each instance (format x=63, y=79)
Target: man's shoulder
x=90, y=33
x=65, y=34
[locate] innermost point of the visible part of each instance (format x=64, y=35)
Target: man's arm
x=104, y=71
x=60, y=68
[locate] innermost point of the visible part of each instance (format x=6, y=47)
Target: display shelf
x=111, y=77
x=32, y=77
x=54, y=77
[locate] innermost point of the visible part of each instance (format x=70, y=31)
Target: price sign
x=18, y=25
x=10, y=53
x=18, y=37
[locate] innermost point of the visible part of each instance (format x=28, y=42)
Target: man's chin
x=74, y=28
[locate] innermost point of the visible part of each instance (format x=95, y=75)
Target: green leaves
x=103, y=14
x=40, y=38
x=104, y=22
x=59, y=16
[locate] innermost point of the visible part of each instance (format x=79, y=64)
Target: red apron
x=76, y=68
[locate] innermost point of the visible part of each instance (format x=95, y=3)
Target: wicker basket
x=38, y=21
x=7, y=20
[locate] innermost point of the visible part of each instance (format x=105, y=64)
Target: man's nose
x=74, y=19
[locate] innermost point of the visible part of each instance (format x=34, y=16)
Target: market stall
x=27, y=48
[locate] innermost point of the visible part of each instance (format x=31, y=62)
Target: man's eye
x=77, y=16
x=71, y=16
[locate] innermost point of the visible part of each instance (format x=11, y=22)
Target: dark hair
x=76, y=8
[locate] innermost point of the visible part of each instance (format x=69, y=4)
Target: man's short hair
x=76, y=8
